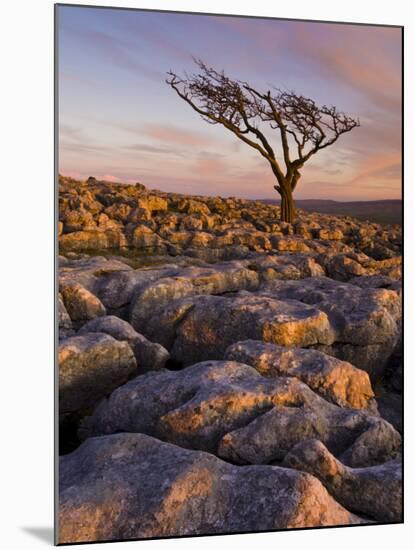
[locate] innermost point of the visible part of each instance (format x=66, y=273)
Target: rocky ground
x=221, y=371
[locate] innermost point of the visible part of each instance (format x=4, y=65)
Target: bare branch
x=241, y=108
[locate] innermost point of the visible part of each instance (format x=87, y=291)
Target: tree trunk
x=287, y=208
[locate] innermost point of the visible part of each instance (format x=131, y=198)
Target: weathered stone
x=90, y=367
x=289, y=244
x=188, y=282
x=139, y=215
x=342, y=267
x=191, y=206
x=86, y=270
x=215, y=322
x=365, y=321
x=289, y=266
x=78, y=220
x=92, y=240
x=228, y=408
x=119, y=212
x=356, y=437
x=375, y=491
x=65, y=322
x=330, y=234
x=144, y=237
x=390, y=405
x=377, y=281
x=335, y=380
x=156, y=203
x=81, y=304
x=117, y=289
x=129, y=486
x=149, y=355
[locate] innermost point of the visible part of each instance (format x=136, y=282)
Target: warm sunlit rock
x=375, y=490
x=134, y=486
x=90, y=367
x=335, y=380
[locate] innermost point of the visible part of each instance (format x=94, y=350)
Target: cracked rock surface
x=107, y=492
x=222, y=371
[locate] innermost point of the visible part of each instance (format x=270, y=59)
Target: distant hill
x=384, y=211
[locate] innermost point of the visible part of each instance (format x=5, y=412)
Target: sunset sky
x=120, y=121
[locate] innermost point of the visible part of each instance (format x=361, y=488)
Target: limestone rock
x=375, y=491
x=188, y=282
x=335, y=380
x=356, y=437
x=90, y=367
x=228, y=408
x=215, y=322
x=81, y=304
x=365, y=320
x=128, y=486
x=289, y=266
x=330, y=234
x=117, y=289
x=92, y=240
x=64, y=321
x=289, y=244
x=149, y=355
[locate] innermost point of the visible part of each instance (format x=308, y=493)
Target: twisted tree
x=304, y=127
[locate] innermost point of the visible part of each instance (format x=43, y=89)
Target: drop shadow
x=44, y=534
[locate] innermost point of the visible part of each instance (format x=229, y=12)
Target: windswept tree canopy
x=304, y=127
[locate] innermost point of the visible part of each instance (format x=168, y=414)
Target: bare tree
x=303, y=126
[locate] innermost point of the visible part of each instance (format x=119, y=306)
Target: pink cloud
x=176, y=136
x=357, y=56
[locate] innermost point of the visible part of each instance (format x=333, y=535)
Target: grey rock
x=355, y=436
x=288, y=266
x=190, y=281
x=149, y=355
x=117, y=289
x=215, y=322
x=64, y=321
x=375, y=491
x=335, y=380
x=365, y=321
x=229, y=408
x=88, y=269
x=90, y=367
x=128, y=486
x=81, y=304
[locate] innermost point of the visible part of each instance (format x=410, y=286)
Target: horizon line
x=229, y=196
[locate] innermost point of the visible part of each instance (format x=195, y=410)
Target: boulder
x=190, y=281
x=145, y=238
x=129, y=486
x=92, y=240
x=81, y=304
x=358, y=438
x=64, y=321
x=228, y=408
x=86, y=270
x=375, y=491
x=117, y=289
x=149, y=355
x=215, y=322
x=330, y=234
x=156, y=203
x=289, y=244
x=90, y=367
x=337, y=381
x=289, y=266
x=365, y=321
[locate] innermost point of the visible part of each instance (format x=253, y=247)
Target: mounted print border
x=229, y=274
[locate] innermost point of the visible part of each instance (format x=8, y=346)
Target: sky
x=120, y=121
